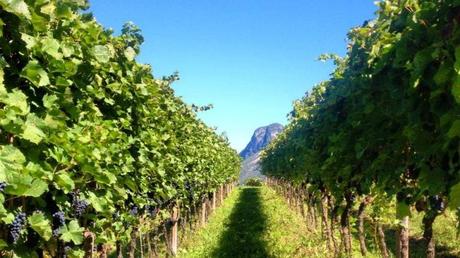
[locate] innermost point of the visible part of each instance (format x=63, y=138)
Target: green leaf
x=40, y=23
x=60, y=81
x=1, y=27
x=35, y=74
x=67, y=50
x=41, y=225
x=96, y=202
x=48, y=9
x=130, y=54
x=31, y=132
x=18, y=100
x=431, y=180
x=455, y=91
x=443, y=74
x=421, y=61
x=51, y=47
x=76, y=253
x=21, y=184
x=101, y=53
x=454, y=129
x=11, y=159
x=8, y=218
x=72, y=232
x=29, y=40
x=37, y=188
x=101, y=203
x=457, y=59
x=18, y=7
x=402, y=210
x=64, y=182
x=454, y=196
x=49, y=101
x=3, y=244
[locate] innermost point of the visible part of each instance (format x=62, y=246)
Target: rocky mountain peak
x=251, y=154
x=261, y=138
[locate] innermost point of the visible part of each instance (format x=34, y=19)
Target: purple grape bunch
x=437, y=203
x=15, y=228
x=67, y=250
x=189, y=189
x=134, y=210
x=58, y=221
x=79, y=206
x=2, y=186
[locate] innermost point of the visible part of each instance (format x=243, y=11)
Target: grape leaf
x=35, y=74
x=41, y=225
x=64, y=182
x=72, y=232
x=31, y=131
x=454, y=195
x=18, y=7
x=51, y=47
x=101, y=53
x=130, y=54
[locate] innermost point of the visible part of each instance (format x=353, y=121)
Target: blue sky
x=249, y=58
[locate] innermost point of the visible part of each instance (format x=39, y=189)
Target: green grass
x=254, y=222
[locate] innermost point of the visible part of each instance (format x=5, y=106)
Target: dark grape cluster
x=67, y=249
x=15, y=228
x=147, y=209
x=151, y=211
x=134, y=210
x=437, y=203
x=2, y=186
x=58, y=221
x=189, y=189
x=78, y=206
x=187, y=186
x=351, y=197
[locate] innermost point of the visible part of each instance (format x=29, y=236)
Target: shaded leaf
x=35, y=74
x=41, y=225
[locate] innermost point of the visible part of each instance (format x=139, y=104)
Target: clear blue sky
x=249, y=58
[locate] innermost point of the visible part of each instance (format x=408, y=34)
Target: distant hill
x=260, y=139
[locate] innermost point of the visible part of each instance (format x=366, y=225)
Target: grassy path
x=254, y=222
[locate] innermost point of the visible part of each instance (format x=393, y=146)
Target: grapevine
x=89, y=133
x=384, y=125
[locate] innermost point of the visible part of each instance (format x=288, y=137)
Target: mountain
x=261, y=138
x=251, y=154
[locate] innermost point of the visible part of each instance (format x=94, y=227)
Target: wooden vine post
x=174, y=229
x=221, y=195
x=88, y=244
x=203, y=212
x=119, y=249
x=403, y=238
x=213, y=202
x=381, y=240
x=132, y=244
